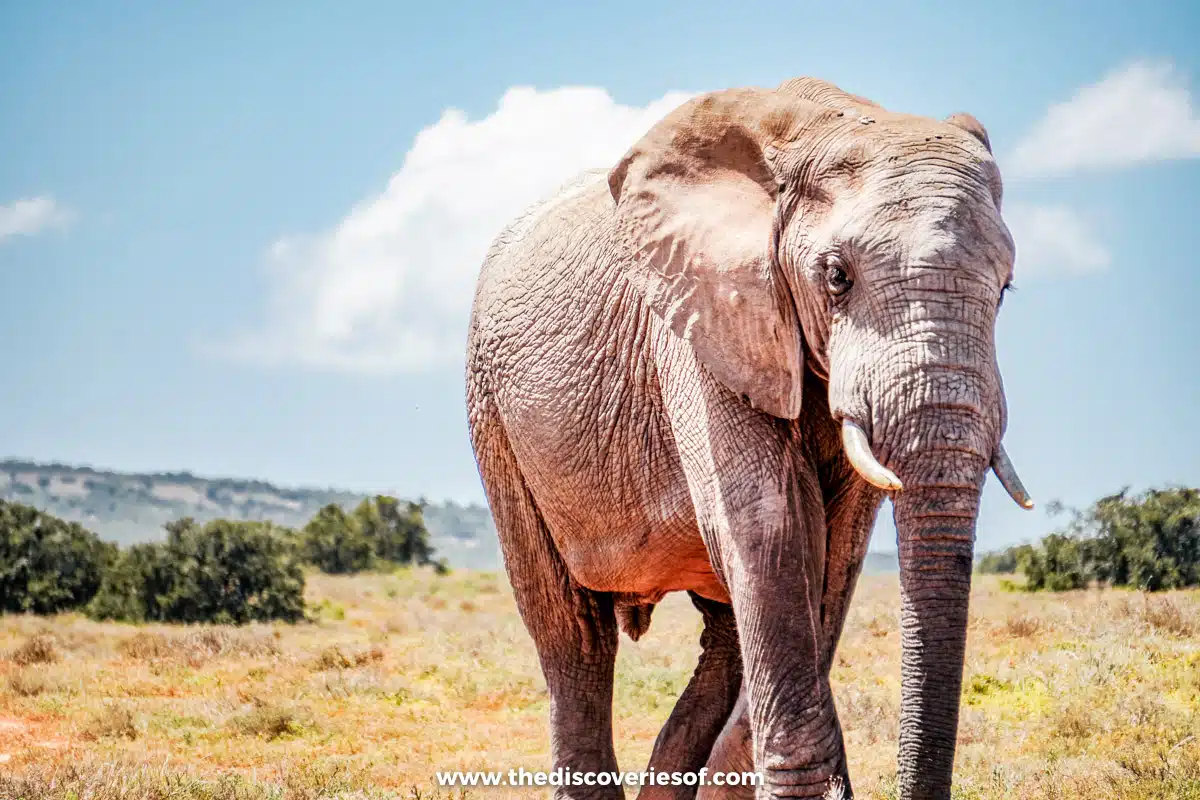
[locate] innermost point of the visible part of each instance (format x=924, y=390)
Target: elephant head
x=805, y=228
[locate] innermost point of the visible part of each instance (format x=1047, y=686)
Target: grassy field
x=1081, y=695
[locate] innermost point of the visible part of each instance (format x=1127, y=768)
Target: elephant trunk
x=937, y=427
x=936, y=528
x=942, y=444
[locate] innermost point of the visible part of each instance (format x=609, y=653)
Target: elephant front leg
x=733, y=752
x=686, y=740
x=765, y=540
x=850, y=517
x=761, y=512
x=797, y=741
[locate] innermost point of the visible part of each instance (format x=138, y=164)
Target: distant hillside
x=132, y=507
x=881, y=563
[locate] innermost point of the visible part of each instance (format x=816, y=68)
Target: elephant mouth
x=858, y=451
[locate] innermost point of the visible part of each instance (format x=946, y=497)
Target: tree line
x=221, y=571
x=1148, y=541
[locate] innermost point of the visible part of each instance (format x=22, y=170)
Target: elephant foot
x=733, y=752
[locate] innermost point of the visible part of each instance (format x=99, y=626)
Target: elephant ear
x=696, y=210
x=972, y=126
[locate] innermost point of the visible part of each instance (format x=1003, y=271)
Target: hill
x=133, y=507
x=881, y=563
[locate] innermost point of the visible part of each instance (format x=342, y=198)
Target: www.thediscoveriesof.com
x=567, y=777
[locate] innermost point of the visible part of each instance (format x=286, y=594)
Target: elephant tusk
x=1009, y=479
x=858, y=450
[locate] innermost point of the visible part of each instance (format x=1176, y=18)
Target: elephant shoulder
x=542, y=254
x=559, y=201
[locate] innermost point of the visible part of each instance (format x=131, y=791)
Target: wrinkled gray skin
x=639, y=349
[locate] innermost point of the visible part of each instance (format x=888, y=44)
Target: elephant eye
x=837, y=281
x=1008, y=287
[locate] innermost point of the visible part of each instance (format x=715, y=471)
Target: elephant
x=703, y=369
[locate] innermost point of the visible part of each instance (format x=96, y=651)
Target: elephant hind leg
x=685, y=741
x=574, y=629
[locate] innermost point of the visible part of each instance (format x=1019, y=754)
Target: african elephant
x=703, y=370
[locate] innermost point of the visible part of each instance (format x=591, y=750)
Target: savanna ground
x=1080, y=695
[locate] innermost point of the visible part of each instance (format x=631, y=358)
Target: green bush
x=1002, y=562
x=47, y=564
x=1060, y=564
x=132, y=585
x=381, y=531
x=1149, y=542
x=221, y=572
x=335, y=543
x=396, y=531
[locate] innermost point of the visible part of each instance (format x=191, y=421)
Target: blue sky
x=240, y=238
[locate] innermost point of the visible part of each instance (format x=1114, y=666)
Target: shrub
x=144, y=646
x=1060, y=564
x=396, y=530
x=47, y=564
x=37, y=649
x=335, y=658
x=381, y=531
x=271, y=721
x=222, y=572
x=1022, y=626
x=27, y=682
x=335, y=543
x=1149, y=542
x=116, y=721
x=132, y=585
x=1001, y=562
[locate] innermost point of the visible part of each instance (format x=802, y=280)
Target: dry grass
x=335, y=658
x=198, y=646
x=1168, y=616
x=299, y=780
x=29, y=682
x=272, y=721
x=37, y=649
x=1090, y=694
x=114, y=721
x=1021, y=626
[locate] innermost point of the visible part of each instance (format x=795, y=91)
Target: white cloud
x=389, y=288
x=1140, y=113
x=31, y=216
x=1053, y=240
